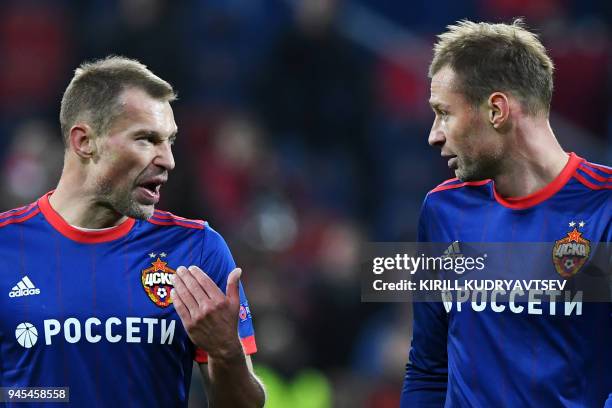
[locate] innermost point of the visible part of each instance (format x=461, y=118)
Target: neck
x=534, y=159
x=80, y=207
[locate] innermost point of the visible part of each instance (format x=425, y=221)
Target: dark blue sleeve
x=427, y=370
x=217, y=262
x=426, y=376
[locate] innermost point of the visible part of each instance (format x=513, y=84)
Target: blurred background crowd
x=303, y=131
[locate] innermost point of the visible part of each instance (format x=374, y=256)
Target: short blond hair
x=93, y=92
x=496, y=57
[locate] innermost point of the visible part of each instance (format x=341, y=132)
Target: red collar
x=75, y=234
x=521, y=203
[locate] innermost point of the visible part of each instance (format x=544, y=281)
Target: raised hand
x=209, y=316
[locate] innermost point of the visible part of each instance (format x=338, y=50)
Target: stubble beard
x=484, y=165
x=482, y=168
x=122, y=202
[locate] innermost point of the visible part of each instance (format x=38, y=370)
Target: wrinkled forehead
x=138, y=107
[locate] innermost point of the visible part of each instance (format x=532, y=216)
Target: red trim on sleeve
x=521, y=203
x=17, y=211
x=594, y=175
x=590, y=185
x=75, y=234
x=170, y=223
x=450, y=180
x=169, y=216
x=168, y=219
x=248, y=345
x=605, y=169
x=200, y=356
x=444, y=186
x=17, y=220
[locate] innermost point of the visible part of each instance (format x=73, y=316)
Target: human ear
x=81, y=141
x=499, y=109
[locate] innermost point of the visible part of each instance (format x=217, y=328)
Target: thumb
x=232, y=291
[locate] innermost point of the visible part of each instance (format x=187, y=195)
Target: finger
x=233, y=286
x=180, y=307
x=199, y=292
x=183, y=290
x=206, y=283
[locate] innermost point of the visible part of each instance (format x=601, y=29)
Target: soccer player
x=491, y=87
x=94, y=297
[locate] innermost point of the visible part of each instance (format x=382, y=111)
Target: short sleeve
x=217, y=262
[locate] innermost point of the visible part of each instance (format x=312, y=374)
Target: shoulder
x=19, y=215
x=594, y=176
x=167, y=219
x=454, y=194
x=212, y=240
x=455, y=184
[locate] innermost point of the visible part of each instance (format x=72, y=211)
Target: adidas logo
x=24, y=287
x=453, y=251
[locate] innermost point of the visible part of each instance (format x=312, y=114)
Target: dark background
x=302, y=134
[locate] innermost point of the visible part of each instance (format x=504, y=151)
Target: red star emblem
x=574, y=235
x=159, y=265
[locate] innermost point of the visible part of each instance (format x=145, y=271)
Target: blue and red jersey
x=515, y=355
x=91, y=310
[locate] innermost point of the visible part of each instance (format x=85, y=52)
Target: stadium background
x=302, y=133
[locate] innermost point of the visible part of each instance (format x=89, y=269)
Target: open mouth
x=452, y=162
x=152, y=188
x=149, y=192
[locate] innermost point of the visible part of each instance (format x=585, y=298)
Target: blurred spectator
x=147, y=30
x=533, y=11
x=314, y=97
x=32, y=164
x=36, y=44
x=582, y=89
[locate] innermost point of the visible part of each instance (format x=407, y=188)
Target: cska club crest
x=158, y=281
x=571, y=252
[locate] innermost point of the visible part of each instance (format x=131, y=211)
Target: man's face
x=462, y=131
x=134, y=158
